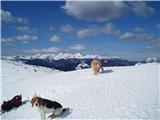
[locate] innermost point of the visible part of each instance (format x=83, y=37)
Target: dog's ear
x=32, y=104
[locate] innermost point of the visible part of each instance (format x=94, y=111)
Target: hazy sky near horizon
x=114, y=28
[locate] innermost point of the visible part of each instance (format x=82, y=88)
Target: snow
x=59, y=56
x=82, y=65
x=152, y=60
x=130, y=92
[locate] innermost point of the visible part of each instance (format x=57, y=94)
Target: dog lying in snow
x=47, y=106
x=96, y=66
x=16, y=101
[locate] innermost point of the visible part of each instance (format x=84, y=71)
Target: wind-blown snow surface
x=118, y=93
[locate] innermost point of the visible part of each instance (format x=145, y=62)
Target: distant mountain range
x=69, y=62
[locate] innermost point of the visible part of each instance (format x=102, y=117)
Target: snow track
x=118, y=93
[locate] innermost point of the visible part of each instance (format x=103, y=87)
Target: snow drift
x=130, y=92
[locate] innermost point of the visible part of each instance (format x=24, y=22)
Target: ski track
x=119, y=93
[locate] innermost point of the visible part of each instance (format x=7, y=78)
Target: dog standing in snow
x=47, y=106
x=96, y=66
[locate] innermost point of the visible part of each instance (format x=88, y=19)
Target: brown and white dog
x=47, y=106
x=96, y=66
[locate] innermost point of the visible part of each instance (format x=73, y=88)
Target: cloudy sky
x=113, y=28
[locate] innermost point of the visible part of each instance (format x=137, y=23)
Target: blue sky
x=113, y=28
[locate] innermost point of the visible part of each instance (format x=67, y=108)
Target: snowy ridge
x=60, y=56
x=68, y=61
x=130, y=92
x=148, y=60
x=69, y=55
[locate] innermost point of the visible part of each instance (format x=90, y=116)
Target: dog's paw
x=52, y=116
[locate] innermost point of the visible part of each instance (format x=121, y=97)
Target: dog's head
x=17, y=98
x=35, y=101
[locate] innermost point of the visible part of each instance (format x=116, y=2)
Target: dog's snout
x=36, y=104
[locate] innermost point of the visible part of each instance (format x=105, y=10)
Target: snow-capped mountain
x=82, y=65
x=150, y=60
x=60, y=56
x=130, y=92
x=68, y=61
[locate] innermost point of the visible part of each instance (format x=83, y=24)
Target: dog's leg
x=42, y=115
x=52, y=116
x=102, y=69
x=58, y=111
x=98, y=70
x=94, y=72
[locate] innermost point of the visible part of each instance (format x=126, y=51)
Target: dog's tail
x=67, y=109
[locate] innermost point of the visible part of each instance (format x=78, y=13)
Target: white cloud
x=158, y=26
x=7, y=41
x=77, y=47
x=96, y=10
x=138, y=36
x=108, y=28
x=86, y=32
x=153, y=47
x=8, y=17
x=26, y=37
x=139, y=29
x=140, y=8
x=23, y=28
x=128, y=36
x=25, y=42
x=55, y=38
x=66, y=28
x=26, y=29
x=103, y=11
x=138, y=33
x=51, y=28
x=44, y=50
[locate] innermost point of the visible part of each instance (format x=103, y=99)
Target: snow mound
x=130, y=92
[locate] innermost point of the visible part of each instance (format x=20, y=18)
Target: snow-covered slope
x=130, y=92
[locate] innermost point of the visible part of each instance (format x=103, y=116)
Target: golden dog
x=96, y=66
